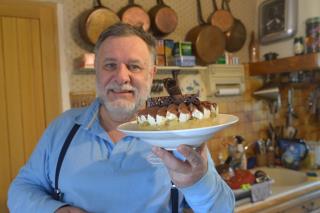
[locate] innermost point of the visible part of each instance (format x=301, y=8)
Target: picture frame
x=277, y=20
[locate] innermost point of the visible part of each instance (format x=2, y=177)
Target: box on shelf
x=170, y=61
x=185, y=61
x=182, y=48
x=160, y=60
x=160, y=47
x=168, y=47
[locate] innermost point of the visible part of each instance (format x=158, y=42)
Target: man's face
x=124, y=75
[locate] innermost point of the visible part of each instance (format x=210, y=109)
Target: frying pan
x=221, y=18
x=135, y=15
x=208, y=42
x=95, y=21
x=164, y=19
x=236, y=36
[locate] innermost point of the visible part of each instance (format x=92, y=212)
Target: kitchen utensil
x=164, y=19
x=135, y=15
x=208, y=42
x=95, y=21
x=221, y=18
x=290, y=131
x=270, y=93
x=237, y=35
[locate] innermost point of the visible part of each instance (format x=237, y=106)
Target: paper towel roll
x=228, y=91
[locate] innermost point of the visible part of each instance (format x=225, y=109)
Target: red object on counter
x=241, y=177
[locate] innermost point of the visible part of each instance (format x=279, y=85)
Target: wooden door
x=29, y=82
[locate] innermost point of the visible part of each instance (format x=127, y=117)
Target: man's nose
x=122, y=74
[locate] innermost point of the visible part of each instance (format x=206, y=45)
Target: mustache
x=119, y=88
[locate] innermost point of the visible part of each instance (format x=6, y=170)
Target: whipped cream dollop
x=180, y=112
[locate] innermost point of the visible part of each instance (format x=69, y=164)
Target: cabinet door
x=296, y=209
x=29, y=82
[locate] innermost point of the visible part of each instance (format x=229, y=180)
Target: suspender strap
x=57, y=194
x=174, y=199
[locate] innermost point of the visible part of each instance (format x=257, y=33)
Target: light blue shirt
x=100, y=176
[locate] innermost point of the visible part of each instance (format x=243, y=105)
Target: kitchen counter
x=300, y=197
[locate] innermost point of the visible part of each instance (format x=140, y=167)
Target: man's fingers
x=194, y=156
x=170, y=160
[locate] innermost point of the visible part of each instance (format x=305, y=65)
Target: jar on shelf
x=298, y=46
x=312, y=42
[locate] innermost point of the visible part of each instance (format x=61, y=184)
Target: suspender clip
x=57, y=194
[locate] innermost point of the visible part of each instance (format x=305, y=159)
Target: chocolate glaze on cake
x=176, y=107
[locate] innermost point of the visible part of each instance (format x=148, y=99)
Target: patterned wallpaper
x=187, y=19
x=254, y=115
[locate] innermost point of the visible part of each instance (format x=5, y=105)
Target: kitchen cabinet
x=306, y=203
x=289, y=64
x=301, y=198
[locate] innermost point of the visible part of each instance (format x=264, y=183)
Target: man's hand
x=70, y=209
x=185, y=173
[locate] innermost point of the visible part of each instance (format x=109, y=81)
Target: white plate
x=173, y=138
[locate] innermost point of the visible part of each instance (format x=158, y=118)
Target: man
x=105, y=171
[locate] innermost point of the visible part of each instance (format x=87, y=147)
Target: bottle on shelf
x=254, y=51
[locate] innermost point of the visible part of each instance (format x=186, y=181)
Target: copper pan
x=135, y=15
x=95, y=21
x=164, y=19
x=221, y=18
x=208, y=42
x=236, y=36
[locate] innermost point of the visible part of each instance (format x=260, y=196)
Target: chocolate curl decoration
x=160, y=101
x=193, y=99
x=172, y=86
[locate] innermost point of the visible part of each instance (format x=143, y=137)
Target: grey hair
x=121, y=29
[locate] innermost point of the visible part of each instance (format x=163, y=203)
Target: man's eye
x=110, y=66
x=134, y=67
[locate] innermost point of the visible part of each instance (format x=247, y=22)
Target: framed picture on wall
x=277, y=20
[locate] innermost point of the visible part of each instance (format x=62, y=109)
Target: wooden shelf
x=181, y=68
x=90, y=69
x=289, y=64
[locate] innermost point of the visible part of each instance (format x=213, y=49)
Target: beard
x=123, y=109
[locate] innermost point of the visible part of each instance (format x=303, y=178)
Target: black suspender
x=174, y=198
x=58, y=195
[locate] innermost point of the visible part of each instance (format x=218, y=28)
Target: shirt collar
x=90, y=121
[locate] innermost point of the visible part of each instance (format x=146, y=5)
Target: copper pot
x=208, y=42
x=164, y=19
x=221, y=18
x=236, y=36
x=95, y=21
x=135, y=15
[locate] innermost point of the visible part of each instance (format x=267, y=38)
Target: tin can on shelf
x=312, y=41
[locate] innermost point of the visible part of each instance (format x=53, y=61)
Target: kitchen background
x=23, y=119
x=254, y=114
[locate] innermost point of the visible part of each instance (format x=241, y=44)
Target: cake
x=177, y=112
